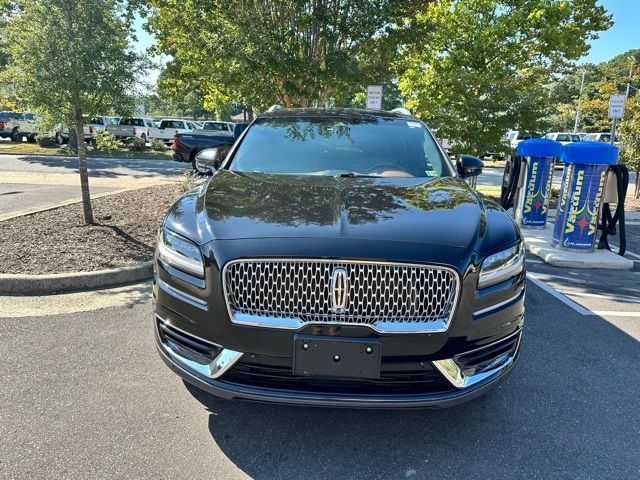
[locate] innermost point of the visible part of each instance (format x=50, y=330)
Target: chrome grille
x=288, y=293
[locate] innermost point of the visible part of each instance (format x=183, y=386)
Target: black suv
x=337, y=257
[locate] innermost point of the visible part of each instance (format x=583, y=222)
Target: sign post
x=374, y=97
x=616, y=111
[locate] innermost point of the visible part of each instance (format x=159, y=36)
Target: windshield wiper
x=355, y=175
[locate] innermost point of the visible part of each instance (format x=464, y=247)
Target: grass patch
x=489, y=191
x=494, y=163
x=27, y=148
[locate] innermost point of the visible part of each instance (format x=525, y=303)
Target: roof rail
x=402, y=111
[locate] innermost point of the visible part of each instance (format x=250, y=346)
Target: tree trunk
x=249, y=113
x=636, y=194
x=82, y=167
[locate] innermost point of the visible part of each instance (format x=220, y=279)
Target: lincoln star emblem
x=339, y=288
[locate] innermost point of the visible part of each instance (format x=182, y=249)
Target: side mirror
x=207, y=160
x=238, y=129
x=469, y=166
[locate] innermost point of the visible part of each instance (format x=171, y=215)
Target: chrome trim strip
x=290, y=323
x=180, y=295
x=293, y=323
x=450, y=370
x=498, y=305
x=223, y=362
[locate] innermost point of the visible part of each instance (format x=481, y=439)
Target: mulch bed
x=58, y=241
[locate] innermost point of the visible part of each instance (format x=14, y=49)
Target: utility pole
x=575, y=125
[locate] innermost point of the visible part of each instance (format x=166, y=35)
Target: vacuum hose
x=510, y=181
x=608, y=221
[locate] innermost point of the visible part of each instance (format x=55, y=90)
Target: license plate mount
x=315, y=355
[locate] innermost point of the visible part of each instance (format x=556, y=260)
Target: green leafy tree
x=74, y=58
x=628, y=133
x=629, y=140
x=482, y=65
x=294, y=52
x=600, y=81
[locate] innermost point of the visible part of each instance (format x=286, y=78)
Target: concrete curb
x=69, y=282
x=538, y=242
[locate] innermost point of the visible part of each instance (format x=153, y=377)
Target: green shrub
x=157, y=145
x=105, y=141
x=46, y=141
x=136, y=144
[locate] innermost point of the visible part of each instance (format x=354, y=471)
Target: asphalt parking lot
x=86, y=396
x=32, y=182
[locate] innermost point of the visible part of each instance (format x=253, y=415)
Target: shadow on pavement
x=620, y=283
x=570, y=409
x=107, y=167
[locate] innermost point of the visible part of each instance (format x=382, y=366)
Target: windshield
x=568, y=137
x=215, y=126
x=136, y=122
x=335, y=146
x=527, y=135
x=510, y=136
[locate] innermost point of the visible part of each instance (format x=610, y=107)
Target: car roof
x=330, y=113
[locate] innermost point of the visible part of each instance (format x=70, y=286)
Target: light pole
x=575, y=125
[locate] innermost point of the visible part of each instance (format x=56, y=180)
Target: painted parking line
x=615, y=298
x=554, y=293
x=613, y=313
x=533, y=277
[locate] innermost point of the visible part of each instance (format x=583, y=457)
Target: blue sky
x=623, y=36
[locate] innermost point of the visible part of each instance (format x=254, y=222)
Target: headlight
x=501, y=266
x=180, y=253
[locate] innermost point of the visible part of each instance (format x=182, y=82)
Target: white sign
x=374, y=97
x=616, y=106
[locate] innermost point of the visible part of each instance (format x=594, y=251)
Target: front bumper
x=264, y=371
x=461, y=385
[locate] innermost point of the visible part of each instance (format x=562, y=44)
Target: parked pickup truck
x=129, y=127
x=168, y=127
x=187, y=145
x=17, y=126
x=213, y=127
x=92, y=126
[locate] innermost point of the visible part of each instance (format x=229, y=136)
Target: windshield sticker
x=431, y=173
x=414, y=124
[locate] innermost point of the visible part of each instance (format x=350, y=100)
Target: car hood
x=442, y=211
